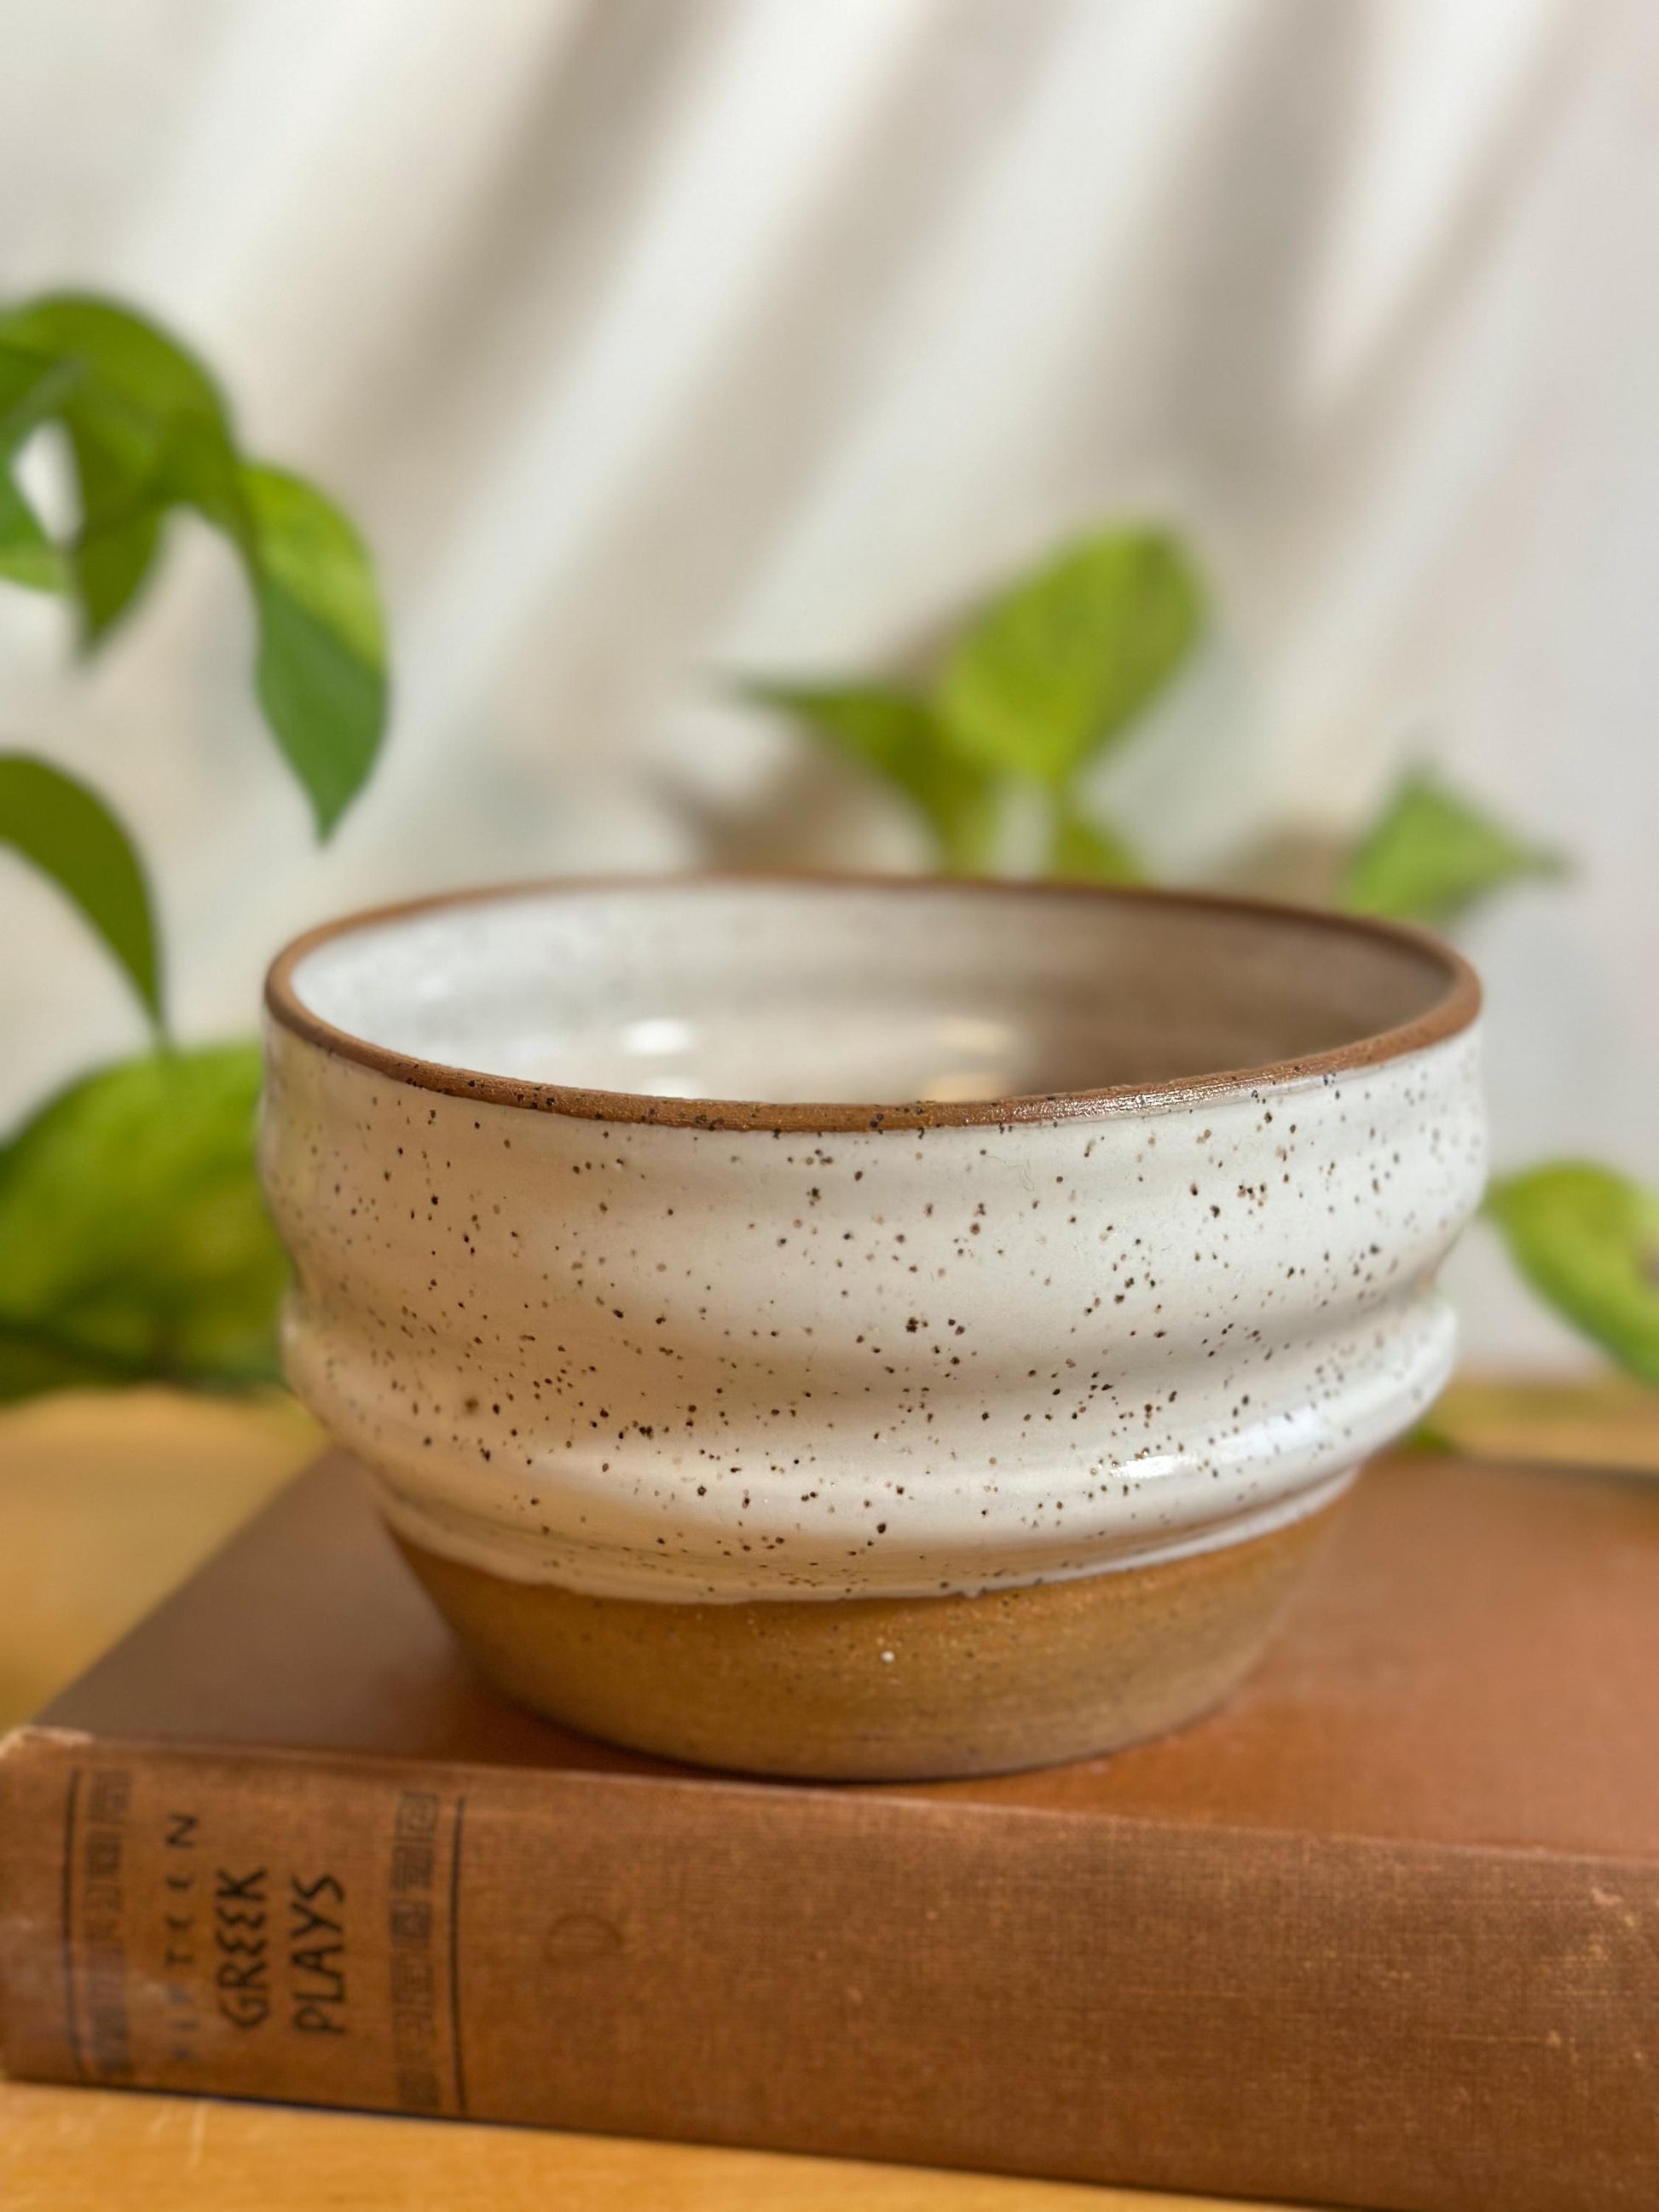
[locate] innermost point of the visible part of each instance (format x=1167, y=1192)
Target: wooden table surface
x=105, y=1503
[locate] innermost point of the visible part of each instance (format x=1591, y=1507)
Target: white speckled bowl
x=731, y=1414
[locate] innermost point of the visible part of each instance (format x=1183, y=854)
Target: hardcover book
x=1383, y=1932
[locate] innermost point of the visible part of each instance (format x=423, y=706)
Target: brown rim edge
x=1452, y=1012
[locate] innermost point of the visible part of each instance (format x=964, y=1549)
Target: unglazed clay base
x=885, y=1689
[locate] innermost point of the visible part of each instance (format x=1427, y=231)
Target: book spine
x=947, y=1983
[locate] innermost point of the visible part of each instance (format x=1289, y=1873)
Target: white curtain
x=654, y=340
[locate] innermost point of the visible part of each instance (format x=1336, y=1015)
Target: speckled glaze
x=709, y=1350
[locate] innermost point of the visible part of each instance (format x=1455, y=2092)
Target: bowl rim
x=1452, y=1012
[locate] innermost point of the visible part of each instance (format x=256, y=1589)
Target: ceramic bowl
x=861, y=1328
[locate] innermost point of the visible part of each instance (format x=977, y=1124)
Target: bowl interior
x=874, y=993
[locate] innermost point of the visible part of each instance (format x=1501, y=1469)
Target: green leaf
x=1059, y=665
x=70, y=835
x=1087, y=852
x=140, y=367
x=31, y=387
x=32, y=1363
x=134, y=1241
x=147, y=430
x=1587, y=1239
x=321, y=670
x=113, y=554
x=27, y=556
x=898, y=738
x=1432, y=855
x=149, y=433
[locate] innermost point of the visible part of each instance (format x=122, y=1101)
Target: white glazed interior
x=651, y=1358
x=875, y=993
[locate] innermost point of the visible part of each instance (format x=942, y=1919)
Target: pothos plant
x=1055, y=672
x=133, y=1241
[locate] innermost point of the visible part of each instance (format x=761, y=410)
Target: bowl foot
x=885, y=1689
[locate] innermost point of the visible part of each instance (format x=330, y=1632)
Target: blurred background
x=649, y=341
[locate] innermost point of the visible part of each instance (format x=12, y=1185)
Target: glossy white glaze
x=665, y=1361
x=733, y=989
